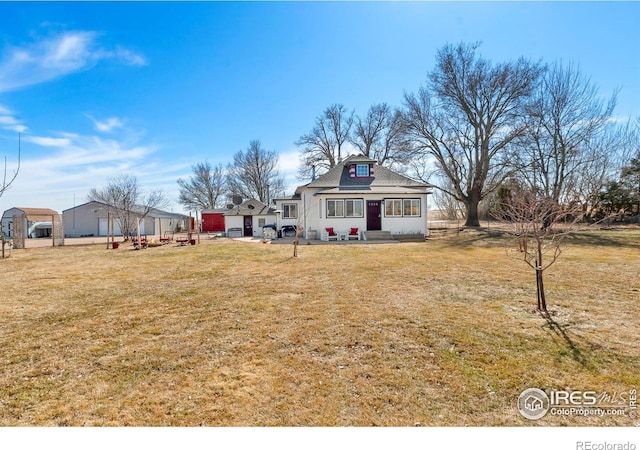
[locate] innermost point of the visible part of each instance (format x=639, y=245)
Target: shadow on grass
x=285, y=260
x=484, y=237
x=559, y=333
x=477, y=237
x=605, y=238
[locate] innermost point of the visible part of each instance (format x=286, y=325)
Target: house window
x=411, y=207
x=345, y=208
x=289, y=211
x=362, y=170
x=396, y=207
x=353, y=208
x=335, y=208
x=262, y=222
x=393, y=208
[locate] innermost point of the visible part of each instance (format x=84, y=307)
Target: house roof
x=160, y=214
x=215, y=211
x=288, y=197
x=250, y=207
x=36, y=214
x=338, y=178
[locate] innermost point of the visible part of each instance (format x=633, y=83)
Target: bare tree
x=379, y=135
x=204, y=189
x=127, y=203
x=322, y=146
x=8, y=179
x=468, y=117
x=254, y=174
x=570, y=141
x=538, y=243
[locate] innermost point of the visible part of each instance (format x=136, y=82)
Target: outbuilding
x=38, y=222
x=90, y=219
x=248, y=219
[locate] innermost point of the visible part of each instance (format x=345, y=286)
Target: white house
x=248, y=218
x=357, y=193
x=37, y=221
x=90, y=219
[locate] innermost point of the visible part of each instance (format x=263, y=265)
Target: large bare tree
x=379, y=135
x=127, y=203
x=254, y=173
x=204, y=188
x=322, y=146
x=467, y=118
x=570, y=143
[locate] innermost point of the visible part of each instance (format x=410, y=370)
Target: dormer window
x=362, y=170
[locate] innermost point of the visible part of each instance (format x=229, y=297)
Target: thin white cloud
x=60, y=169
x=106, y=126
x=48, y=141
x=8, y=121
x=57, y=56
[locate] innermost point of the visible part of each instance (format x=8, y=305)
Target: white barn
x=90, y=219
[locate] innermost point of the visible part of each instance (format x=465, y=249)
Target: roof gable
x=35, y=214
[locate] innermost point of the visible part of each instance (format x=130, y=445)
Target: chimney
x=313, y=173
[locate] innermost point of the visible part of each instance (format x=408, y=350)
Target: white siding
x=233, y=222
x=283, y=221
x=7, y=221
x=315, y=208
x=84, y=220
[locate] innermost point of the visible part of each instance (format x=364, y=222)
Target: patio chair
x=328, y=233
x=354, y=233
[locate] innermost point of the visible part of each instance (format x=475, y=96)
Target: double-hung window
x=411, y=207
x=289, y=211
x=335, y=208
x=353, y=208
x=393, y=207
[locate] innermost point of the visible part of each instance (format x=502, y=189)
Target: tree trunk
x=471, y=205
x=542, y=301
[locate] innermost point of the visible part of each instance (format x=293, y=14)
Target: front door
x=373, y=215
x=248, y=226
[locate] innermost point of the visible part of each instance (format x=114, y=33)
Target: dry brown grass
x=237, y=334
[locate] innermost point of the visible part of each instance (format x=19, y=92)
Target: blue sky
x=152, y=88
